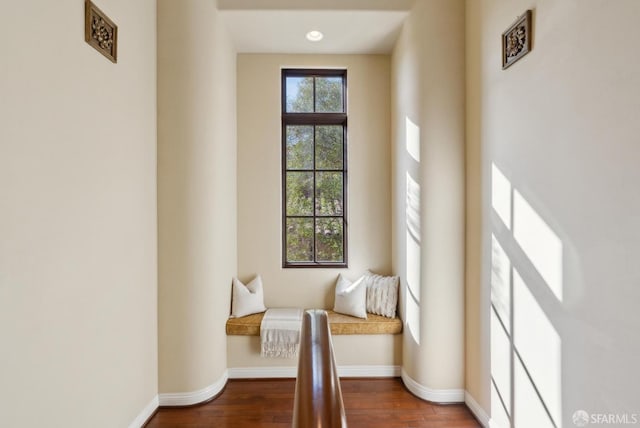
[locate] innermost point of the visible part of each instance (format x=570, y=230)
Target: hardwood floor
x=369, y=403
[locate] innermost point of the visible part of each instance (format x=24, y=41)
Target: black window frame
x=314, y=119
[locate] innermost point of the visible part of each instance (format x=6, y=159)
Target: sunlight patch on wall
x=529, y=412
x=501, y=195
x=499, y=416
x=541, y=245
x=413, y=257
x=500, y=282
x=539, y=346
x=500, y=368
x=413, y=207
x=526, y=364
x=413, y=266
x=413, y=317
x=413, y=139
x=413, y=233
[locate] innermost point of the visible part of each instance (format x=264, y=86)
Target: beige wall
x=476, y=296
x=428, y=148
x=259, y=182
x=562, y=126
x=77, y=217
x=196, y=193
x=259, y=176
x=383, y=350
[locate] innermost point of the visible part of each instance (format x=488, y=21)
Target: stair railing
x=318, y=398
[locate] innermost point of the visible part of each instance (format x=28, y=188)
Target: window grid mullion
x=314, y=94
x=312, y=216
x=315, y=250
x=342, y=171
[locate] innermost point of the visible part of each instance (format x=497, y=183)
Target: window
x=314, y=168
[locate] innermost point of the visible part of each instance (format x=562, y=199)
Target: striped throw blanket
x=280, y=332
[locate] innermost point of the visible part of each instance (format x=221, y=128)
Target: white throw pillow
x=382, y=294
x=247, y=299
x=351, y=297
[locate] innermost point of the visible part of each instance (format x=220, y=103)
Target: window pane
x=299, y=193
x=299, y=95
x=329, y=238
x=299, y=147
x=329, y=152
x=329, y=95
x=329, y=193
x=299, y=240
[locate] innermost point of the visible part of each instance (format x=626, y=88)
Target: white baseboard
x=434, y=395
x=145, y=413
x=292, y=372
x=476, y=409
x=195, y=397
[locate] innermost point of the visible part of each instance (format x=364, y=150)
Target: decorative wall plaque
x=100, y=32
x=516, y=41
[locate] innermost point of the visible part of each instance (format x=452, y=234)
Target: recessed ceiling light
x=314, y=36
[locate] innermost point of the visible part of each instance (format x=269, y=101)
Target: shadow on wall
x=412, y=211
x=526, y=378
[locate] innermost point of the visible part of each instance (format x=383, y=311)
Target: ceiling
x=349, y=26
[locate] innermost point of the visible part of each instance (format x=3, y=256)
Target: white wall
x=259, y=183
x=197, y=194
x=562, y=128
x=77, y=217
x=428, y=195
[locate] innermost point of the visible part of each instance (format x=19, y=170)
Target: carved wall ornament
x=516, y=41
x=100, y=32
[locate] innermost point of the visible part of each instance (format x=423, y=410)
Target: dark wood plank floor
x=369, y=403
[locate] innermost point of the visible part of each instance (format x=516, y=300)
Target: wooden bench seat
x=339, y=324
